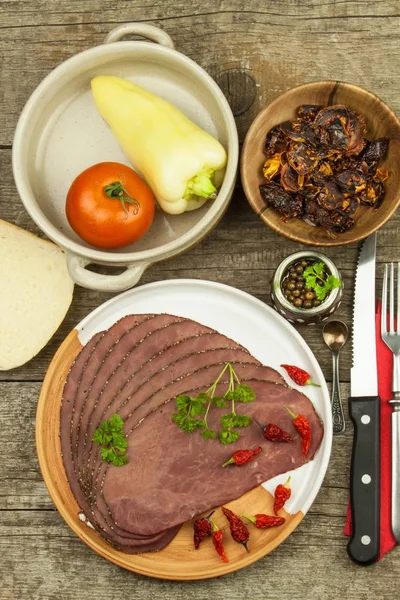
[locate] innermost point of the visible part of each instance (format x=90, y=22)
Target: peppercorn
x=296, y=293
x=291, y=285
x=317, y=303
x=298, y=302
x=309, y=296
x=307, y=304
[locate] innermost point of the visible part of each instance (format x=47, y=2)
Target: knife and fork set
x=364, y=405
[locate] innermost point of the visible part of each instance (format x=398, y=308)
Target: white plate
x=250, y=322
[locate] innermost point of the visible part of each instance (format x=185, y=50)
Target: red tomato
x=109, y=205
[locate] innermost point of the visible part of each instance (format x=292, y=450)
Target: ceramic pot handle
x=105, y=283
x=155, y=34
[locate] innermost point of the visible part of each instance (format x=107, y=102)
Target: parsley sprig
x=110, y=435
x=193, y=411
x=318, y=280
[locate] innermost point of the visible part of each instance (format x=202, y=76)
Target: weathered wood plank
x=255, y=50
x=35, y=536
x=42, y=559
x=278, y=46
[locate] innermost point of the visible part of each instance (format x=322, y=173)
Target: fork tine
x=391, y=300
x=398, y=297
x=384, y=301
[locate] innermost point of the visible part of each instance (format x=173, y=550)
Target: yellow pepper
x=178, y=160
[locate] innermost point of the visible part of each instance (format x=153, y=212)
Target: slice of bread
x=35, y=294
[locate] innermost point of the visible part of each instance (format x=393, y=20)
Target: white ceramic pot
x=60, y=133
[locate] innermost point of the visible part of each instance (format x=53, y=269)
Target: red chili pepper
x=302, y=426
x=217, y=541
x=242, y=457
x=201, y=529
x=282, y=494
x=239, y=531
x=299, y=376
x=273, y=433
x=265, y=521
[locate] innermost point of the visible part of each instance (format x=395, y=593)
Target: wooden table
x=255, y=50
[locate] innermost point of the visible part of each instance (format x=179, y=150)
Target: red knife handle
x=363, y=547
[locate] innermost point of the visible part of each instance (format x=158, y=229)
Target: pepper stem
x=291, y=413
x=228, y=462
x=262, y=427
x=309, y=382
x=208, y=517
x=214, y=526
x=251, y=519
x=201, y=185
x=246, y=546
x=287, y=482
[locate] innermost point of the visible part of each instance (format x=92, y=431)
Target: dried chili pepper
x=239, y=531
x=302, y=426
x=242, y=457
x=201, y=530
x=299, y=376
x=217, y=541
x=281, y=495
x=273, y=433
x=265, y=521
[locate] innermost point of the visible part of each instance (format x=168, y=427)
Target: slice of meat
x=173, y=338
x=68, y=414
x=98, y=510
x=175, y=362
x=138, y=379
x=109, y=356
x=147, y=356
x=172, y=476
x=149, y=398
x=118, y=366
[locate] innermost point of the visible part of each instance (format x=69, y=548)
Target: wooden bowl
x=381, y=122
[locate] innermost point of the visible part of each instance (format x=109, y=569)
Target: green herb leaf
x=219, y=402
x=321, y=292
x=208, y=434
x=242, y=421
x=192, y=411
x=316, y=278
x=244, y=393
x=228, y=420
x=333, y=282
x=182, y=402
x=110, y=435
x=227, y=436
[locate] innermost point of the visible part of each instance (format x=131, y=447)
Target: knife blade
x=364, y=409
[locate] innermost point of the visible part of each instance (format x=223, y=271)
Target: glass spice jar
x=309, y=316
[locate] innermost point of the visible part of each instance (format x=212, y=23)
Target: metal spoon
x=335, y=334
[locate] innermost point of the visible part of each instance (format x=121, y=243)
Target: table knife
x=364, y=410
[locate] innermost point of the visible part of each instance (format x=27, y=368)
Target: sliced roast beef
x=144, y=385
x=109, y=357
x=149, y=397
x=137, y=368
x=151, y=353
x=99, y=511
x=165, y=484
x=68, y=414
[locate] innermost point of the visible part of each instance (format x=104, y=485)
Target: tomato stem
x=116, y=191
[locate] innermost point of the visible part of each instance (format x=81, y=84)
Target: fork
x=392, y=340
